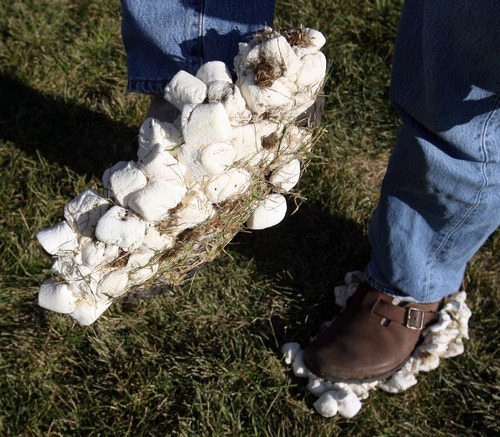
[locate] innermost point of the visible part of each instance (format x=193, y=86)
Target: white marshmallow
x=277, y=97
x=112, y=284
x=156, y=131
x=318, y=40
x=195, y=209
x=94, y=253
x=83, y=212
x=58, y=238
x=342, y=294
x=286, y=177
x=155, y=200
x=87, y=312
x=246, y=141
x=293, y=140
x=217, y=157
x=348, y=404
x=57, y=296
x=66, y=268
x=226, y=185
x=398, y=382
x=190, y=158
x=298, y=366
x=157, y=241
x=278, y=53
x=312, y=72
x=107, y=173
x=269, y=212
x=289, y=350
x=125, y=180
x=236, y=108
x=121, y=228
x=354, y=277
x=205, y=124
x=141, y=266
x=220, y=91
x=316, y=386
x=184, y=88
x=156, y=134
x=326, y=405
x=214, y=71
x=455, y=348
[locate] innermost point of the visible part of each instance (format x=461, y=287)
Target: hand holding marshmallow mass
x=228, y=159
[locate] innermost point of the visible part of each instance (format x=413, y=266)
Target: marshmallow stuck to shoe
x=123, y=180
x=289, y=350
x=66, y=268
x=161, y=164
x=216, y=158
x=219, y=91
x=184, y=88
x=316, y=38
x=154, y=201
x=154, y=131
x=234, y=182
x=190, y=158
x=121, y=228
x=57, y=297
x=348, y=403
x=156, y=240
x=93, y=253
x=279, y=54
x=272, y=99
x=287, y=176
x=58, y=238
x=195, y=209
x=83, y=212
x=205, y=124
x=214, y=71
x=312, y=72
x=246, y=141
x=269, y=212
x=230, y=97
x=87, y=312
x=112, y=284
x=326, y=405
x=141, y=265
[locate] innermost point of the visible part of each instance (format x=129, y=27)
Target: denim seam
x=473, y=207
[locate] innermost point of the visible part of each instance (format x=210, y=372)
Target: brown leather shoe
x=371, y=339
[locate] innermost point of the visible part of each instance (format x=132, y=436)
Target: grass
x=203, y=359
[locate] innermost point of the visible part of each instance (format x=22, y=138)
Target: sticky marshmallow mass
x=225, y=161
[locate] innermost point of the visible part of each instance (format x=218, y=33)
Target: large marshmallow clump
x=229, y=135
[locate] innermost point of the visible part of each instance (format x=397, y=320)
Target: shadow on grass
x=63, y=132
x=309, y=253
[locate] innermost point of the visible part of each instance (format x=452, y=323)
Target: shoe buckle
x=415, y=318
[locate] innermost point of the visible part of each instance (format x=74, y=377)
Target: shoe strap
x=409, y=316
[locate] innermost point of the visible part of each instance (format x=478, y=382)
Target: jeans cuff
x=386, y=288
x=146, y=86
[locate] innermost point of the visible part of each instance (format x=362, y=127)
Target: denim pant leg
x=162, y=37
x=440, y=199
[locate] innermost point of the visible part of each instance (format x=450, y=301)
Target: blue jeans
x=162, y=37
x=440, y=198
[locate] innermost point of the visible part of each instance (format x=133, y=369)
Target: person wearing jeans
x=440, y=198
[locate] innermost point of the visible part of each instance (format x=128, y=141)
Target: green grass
x=204, y=359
